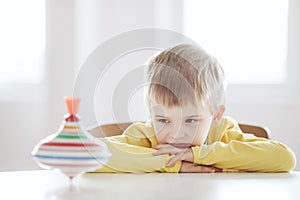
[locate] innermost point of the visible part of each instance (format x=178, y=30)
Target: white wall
x=276, y=107
x=28, y=113
x=76, y=27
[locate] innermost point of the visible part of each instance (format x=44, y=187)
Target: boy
x=187, y=131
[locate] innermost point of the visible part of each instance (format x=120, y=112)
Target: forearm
x=260, y=156
x=135, y=159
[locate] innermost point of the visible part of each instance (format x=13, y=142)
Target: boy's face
x=183, y=126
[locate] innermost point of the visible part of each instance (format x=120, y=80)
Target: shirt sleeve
x=132, y=152
x=136, y=134
x=245, y=152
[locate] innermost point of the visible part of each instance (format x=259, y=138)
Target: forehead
x=186, y=110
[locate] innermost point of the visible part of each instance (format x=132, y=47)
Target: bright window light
x=22, y=40
x=248, y=37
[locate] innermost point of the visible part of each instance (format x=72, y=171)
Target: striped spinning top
x=71, y=149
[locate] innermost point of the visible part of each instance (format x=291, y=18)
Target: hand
x=185, y=154
x=188, y=167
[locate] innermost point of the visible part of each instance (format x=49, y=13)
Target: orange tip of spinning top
x=72, y=104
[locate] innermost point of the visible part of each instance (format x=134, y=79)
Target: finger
x=188, y=167
x=199, y=169
x=209, y=169
x=205, y=169
x=160, y=152
x=175, y=159
x=218, y=169
x=160, y=146
x=167, y=150
x=163, y=151
x=157, y=147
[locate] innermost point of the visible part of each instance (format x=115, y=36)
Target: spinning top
x=71, y=150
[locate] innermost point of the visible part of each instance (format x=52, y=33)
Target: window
x=248, y=37
x=22, y=40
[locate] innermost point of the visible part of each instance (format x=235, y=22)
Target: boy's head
x=185, y=95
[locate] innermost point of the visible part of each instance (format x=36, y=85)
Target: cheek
x=160, y=132
x=200, y=135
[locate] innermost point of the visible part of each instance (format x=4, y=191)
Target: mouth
x=181, y=145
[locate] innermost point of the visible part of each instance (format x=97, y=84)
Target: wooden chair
x=117, y=129
x=258, y=131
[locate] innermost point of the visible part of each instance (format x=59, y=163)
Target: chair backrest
x=258, y=131
x=107, y=130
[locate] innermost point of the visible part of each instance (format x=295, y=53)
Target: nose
x=176, y=133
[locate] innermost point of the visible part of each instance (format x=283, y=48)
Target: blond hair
x=185, y=74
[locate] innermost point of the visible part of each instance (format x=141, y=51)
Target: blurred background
x=44, y=43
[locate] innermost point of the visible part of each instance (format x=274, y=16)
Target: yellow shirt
x=226, y=147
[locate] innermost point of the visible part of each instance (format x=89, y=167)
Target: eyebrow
x=159, y=116
x=194, y=116
x=184, y=117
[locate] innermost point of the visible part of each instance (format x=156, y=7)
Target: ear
x=218, y=114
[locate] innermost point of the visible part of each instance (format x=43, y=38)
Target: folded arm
x=135, y=159
x=246, y=152
x=132, y=152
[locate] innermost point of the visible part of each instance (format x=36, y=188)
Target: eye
x=163, y=121
x=191, y=121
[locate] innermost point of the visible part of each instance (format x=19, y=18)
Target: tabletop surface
x=43, y=184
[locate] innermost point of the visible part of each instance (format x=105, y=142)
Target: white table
x=41, y=184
